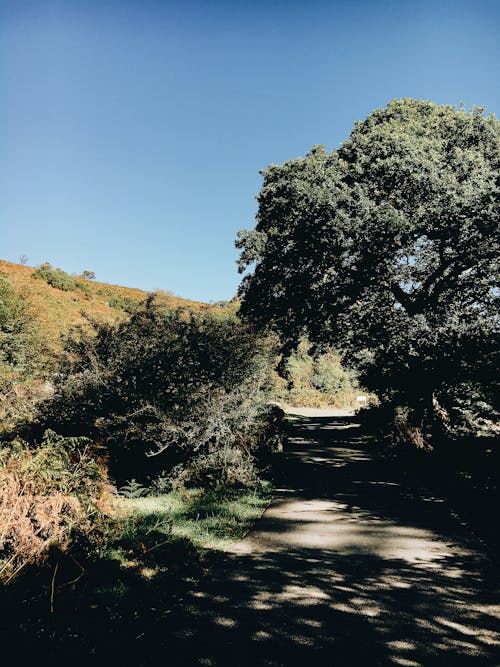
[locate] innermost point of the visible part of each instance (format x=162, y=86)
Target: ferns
x=48, y=491
x=133, y=489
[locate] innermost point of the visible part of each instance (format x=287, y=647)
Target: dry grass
x=407, y=434
x=59, y=311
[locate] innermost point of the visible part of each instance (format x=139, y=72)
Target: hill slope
x=58, y=311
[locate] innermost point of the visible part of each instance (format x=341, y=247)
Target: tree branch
x=403, y=298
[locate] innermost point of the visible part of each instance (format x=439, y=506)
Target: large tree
x=387, y=247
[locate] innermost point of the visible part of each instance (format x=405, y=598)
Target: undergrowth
x=208, y=519
x=113, y=606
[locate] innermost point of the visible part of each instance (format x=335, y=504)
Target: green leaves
x=21, y=342
x=163, y=382
x=388, y=247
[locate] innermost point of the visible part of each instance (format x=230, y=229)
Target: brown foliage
x=59, y=311
x=32, y=522
x=48, y=493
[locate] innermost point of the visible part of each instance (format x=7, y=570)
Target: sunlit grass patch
x=208, y=519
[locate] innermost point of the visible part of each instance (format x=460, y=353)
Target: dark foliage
x=163, y=387
x=388, y=248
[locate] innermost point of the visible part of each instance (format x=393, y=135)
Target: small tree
x=88, y=275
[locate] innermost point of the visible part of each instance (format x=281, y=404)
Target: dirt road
x=348, y=566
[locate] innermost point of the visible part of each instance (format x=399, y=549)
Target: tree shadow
x=349, y=566
x=322, y=608
x=384, y=575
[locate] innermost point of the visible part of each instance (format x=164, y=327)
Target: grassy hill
x=313, y=382
x=59, y=310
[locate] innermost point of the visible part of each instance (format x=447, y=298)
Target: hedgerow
x=163, y=388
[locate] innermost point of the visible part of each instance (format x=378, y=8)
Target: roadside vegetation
x=138, y=432
x=315, y=378
x=161, y=425
x=125, y=461
x=107, y=592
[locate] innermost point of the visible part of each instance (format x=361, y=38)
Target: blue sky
x=132, y=132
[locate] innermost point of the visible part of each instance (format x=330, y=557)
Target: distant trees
x=61, y=280
x=388, y=247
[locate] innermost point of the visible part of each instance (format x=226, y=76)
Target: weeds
x=49, y=493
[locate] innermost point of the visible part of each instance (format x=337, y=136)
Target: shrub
x=21, y=342
x=315, y=380
x=227, y=466
x=105, y=291
x=61, y=280
x=19, y=397
x=125, y=303
x=55, y=277
x=167, y=382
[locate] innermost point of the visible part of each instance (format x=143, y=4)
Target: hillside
x=59, y=310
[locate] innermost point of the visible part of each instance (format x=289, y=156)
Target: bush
x=19, y=397
x=125, y=303
x=21, y=342
x=49, y=492
x=61, y=280
x=315, y=380
x=167, y=382
x=226, y=466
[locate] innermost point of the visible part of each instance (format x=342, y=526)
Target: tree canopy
x=387, y=247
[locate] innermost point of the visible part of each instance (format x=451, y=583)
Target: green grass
x=111, y=609
x=208, y=519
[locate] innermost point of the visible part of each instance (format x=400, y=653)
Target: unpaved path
x=348, y=566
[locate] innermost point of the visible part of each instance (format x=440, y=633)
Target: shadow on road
x=347, y=567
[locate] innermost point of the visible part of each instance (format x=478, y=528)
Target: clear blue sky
x=132, y=132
